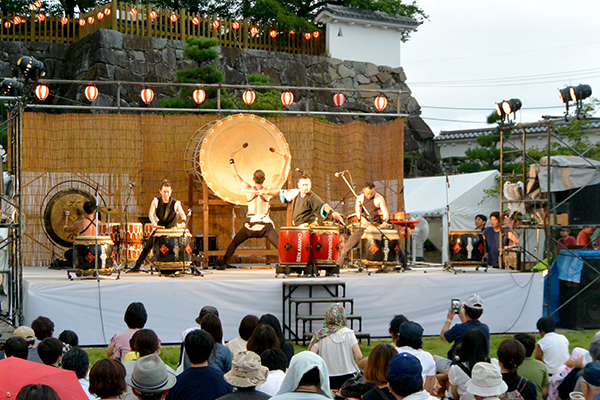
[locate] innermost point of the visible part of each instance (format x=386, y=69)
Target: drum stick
x=272, y=150
x=67, y=217
x=243, y=147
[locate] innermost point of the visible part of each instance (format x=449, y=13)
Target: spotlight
x=11, y=87
x=580, y=92
x=565, y=94
x=499, y=110
x=511, y=106
x=31, y=68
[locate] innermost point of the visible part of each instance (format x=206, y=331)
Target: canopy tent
x=566, y=172
x=463, y=196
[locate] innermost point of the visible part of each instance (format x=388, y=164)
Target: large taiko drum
x=251, y=137
x=324, y=245
x=172, y=247
x=380, y=247
x=294, y=246
x=132, y=232
x=113, y=230
x=89, y=250
x=64, y=208
x=466, y=246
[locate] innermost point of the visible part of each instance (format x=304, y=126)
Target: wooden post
x=191, y=202
x=205, y=222
x=113, y=15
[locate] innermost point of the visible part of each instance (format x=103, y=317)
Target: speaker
x=584, y=206
x=583, y=312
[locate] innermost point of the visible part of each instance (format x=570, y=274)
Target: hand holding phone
x=456, y=305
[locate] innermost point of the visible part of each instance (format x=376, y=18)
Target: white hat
x=486, y=380
x=474, y=301
x=246, y=370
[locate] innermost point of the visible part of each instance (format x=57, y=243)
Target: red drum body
x=133, y=232
x=111, y=230
x=294, y=246
x=147, y=230
x=324, y=242
x=466, y=246
x=87, y=252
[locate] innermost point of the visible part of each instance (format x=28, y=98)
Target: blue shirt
x=199, y=383
x=457, y=332
x=492, y=246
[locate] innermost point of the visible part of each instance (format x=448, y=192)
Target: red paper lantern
x=17, y=20
x=307, y=36
x=100, y=15
x=287, y=98
x=91, y=92
x=316, y=34
x=173, y=18
x=199, y=95
x=195, y=21
x=147, y=95
x=41, y=92
x=152, y=14
x=90, y=20
x=64, y=20
x=38, y=4
x=81, y=22
x=7, y=24
x=254, y=31
x=405, y=232
x=249, y=97
x=380, y=103
x=32, y=7
x=133, y=12
x=339, y=99
x=235, y=25
x=292, y=32
x=41, y=17
x=107, y=11
x=216, y=24
x=273, y=34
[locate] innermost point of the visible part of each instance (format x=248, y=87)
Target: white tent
x=463, y=196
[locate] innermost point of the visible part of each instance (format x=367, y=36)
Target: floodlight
x=580, y=92
x=11, y=87
x=31, y=68
x=511, y=106
x=565, y=94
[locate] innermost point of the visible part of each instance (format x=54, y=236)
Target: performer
x=258, y=222
x=306, y=205
x=87, y=225
x=163, y=212
x=375, y=207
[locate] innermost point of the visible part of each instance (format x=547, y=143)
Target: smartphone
x=456, y=305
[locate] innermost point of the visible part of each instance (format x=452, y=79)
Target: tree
x=222, y=8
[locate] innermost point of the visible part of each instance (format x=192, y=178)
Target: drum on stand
x=132, y=232
x=89, y=251
x=148, y=229
x=172, y=250
x=467, y=248
x=294, y=251
x=380, y=247
x=324, y=248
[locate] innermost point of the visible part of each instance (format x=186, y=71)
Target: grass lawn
x=170, y=354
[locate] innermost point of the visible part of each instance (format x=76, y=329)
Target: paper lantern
x=38, y=4
x=81, y=22
x=41, y=17
x=292, y=32
x=64, y=20
x=405, y=232
x=307, y=36
x=41, y=92
x=195, y=21
x=254, y=31
x=91, y=92
x=273, y=34
x=249, y=97
x=100, y=15
x=107, y=11
x=235, y=25
x=152, y=15
x=133, y=12
x=287, y=98
x=7, y=24
x=316, y=34
x=32, y=7
x=216, y=24
x=173, y=18
x=199, y=95
x=380, y=103
x=17, y=20
x=147, y=95
x=90, y=20
x=339, y=99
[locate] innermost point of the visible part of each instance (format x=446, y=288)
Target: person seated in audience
x=16, y=347
x=199, y=382
x=135, y=318
x=591, y=381
x=50, y=351
x=43, y=328
x=107, y=379
x=376, y=372
x=394, y=329
x=150, y=379
x=69, y=337
x=276, y=361
x=247, y=325
x=486, y=382
x=221, y=359
x=593, y=354
x=473, y=349
x=565, y=378
x=78, y=361
x=511, y=354
x=183, y=361
x=245, y=375
x=405, y=378
x=306, y=379
x=552, y=348
x=28, y=334
x=273, y=322
x=410, y=340
x=533, y=370
x=37, y=392
x=263, y=338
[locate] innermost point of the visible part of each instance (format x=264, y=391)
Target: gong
x=66, y=201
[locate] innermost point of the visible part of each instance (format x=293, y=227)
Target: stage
x=512, y=301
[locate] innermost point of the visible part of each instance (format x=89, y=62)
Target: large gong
x=209, y=150
x=69, y=201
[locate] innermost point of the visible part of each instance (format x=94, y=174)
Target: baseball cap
x=474, y=301
x=405, y=365
x=591, y=373
x=25, y=332
x=411, y=330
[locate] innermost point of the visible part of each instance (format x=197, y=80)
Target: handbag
x=353, y=387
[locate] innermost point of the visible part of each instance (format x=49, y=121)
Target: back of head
x=76, y=360
x=474, y=347
x=50, y=350
x=247, y=326
x=16, y=347
x=43, y=327
x=89, y=207
x=212, y=324
x=273, y=322
x=301, y=364
x=511, y=354
x=69, y=337
x=378, y=363
x=411, y=335
x=37, y=392
x=199, y=345
x=404, y=374
x=145, y=342
x=546, y=325
x=527, y=341
x=136, y=316
x=274, y=359
x=473, y=306
x=263, y=338
x=150, y=379
x=107, y=378
x=395, y=325
x=594, y=348
x=205, y=311
x=259, y=176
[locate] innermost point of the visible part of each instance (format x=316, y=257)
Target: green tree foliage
x=222, y=8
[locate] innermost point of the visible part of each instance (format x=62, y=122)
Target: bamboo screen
x=89, y=151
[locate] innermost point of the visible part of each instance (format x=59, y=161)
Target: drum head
x=70, y=200
x=230, y=134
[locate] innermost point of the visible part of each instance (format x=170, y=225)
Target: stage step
x=311, y=318
x=331, y=300
x=359, y=335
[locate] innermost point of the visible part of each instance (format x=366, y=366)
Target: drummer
x=258, y=222
x=163, y=213
x=306, y=204
x=87, y=225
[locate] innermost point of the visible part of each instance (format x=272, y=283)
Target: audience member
x=16, y=347
x=263, y=338
x=28, y=334
x=273, y=322
x=410, y=340
x=376, y=372
x=43, y=328
x=511, y=354
x=533, y=370
x=221, y=358
x=405, y=378
x=564, y=380
x=150, y=379
x=135, y=318
x=480, y=221
x=337, y=345
x=276, y=361
x=486, y=382
x=247, y=325
x=566, y=239
x=473, y=349
x=50, y=351
x=552, y=348
x=245, y=375
x=145, y=342
x=591, y=381
x=199, y=382
x=306, y=379
x=78, y=361
x=184, y=362
x=107, y=379
x=394, y=329
x=69, y=337
x=37, y=392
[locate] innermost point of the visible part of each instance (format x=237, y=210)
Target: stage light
x=565, y=94
x=235, y=25
x=42, y=92
x=580, y=92
x=339, y=99
x=287, y=98
x=499, y=110
x=11, y=87
x=31, y=68
x=249, y=97
x=511, y=106
x=147, y=95
x=380, y=103
x=199, y=95
x=91, y=92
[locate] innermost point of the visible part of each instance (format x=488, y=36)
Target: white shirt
x=458, y=378
x=85, y=385
x=555, y=348
x=336, y=350
x=236, y=346
x=273, y=383
x=427, y=362
x=422, y=395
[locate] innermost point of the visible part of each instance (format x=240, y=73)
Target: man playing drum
x=87, y=225
x=258, y=222
x=163, y=212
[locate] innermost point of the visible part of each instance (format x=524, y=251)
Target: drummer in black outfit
x=163, y=213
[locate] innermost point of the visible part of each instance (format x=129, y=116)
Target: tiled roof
x=474, y=133
x=367, y=15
